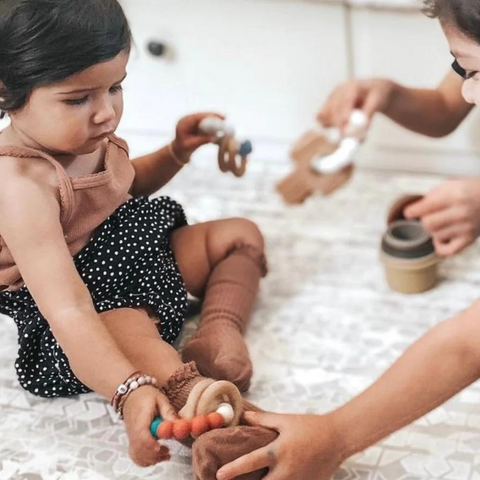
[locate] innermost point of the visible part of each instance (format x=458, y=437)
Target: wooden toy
x=232, y=154
x=210, y=405
x=323, y=164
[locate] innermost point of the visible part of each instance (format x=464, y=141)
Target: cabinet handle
x=157, y=49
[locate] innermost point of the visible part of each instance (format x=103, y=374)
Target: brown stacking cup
x=407, y=251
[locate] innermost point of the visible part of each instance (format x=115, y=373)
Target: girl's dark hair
x=46, y=41
x=461, y=14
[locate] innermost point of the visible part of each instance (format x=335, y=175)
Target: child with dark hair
x=435, y=368
x=93, y=272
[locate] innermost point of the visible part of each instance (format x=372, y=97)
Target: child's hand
x=141, y=407
x=371, y=96
x=189, y=137
x=306, y=449
x=451, y=214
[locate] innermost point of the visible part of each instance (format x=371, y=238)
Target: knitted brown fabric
x=180, y=384
x=216, y=448
x=218, y=347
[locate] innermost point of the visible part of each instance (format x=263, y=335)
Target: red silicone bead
x=200, y=425
x=181, y=429
x=215, y=420
x=165, y=430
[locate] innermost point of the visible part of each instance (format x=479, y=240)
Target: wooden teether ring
x=227, y=157
x=218, y=393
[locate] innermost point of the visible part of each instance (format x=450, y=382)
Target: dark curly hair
x=462, y=14
x=46, y=41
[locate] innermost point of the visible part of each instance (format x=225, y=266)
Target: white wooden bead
x=154, y=381
x=122, y=389
x=142, y=381
x=134, y=385
x=148, y=378
x=226, y=411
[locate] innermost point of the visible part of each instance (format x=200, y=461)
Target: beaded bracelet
x=133, y=382
x=174, y=156
x=122, y=389
x=181, y=429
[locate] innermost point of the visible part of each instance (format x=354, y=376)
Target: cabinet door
x=267, y=64
x=411, y=49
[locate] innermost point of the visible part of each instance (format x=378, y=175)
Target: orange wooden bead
x=215, y=420
x=182, y=429
x=165, y=430
x=200, y=425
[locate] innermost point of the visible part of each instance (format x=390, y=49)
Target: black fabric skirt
x=127, y=263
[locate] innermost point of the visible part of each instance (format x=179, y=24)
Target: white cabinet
x=270, y=64
x=411, y=49
x=267, y=64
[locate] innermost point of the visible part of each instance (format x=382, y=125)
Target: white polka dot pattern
x=128, y=263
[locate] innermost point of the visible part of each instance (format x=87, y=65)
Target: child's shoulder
x=19, y=175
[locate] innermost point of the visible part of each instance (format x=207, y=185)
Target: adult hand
x=451, y=214
x=370, y=96
x=307, y=448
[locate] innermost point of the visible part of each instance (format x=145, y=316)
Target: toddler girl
x=94, y=273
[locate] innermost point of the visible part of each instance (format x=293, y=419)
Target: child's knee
x=245, y=233
x=237, y=235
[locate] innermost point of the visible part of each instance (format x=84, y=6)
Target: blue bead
x=245, y=148
x=154, y=425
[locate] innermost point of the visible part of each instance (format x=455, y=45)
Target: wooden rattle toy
x=323, y=164
x=232, y=154
x=210, y=405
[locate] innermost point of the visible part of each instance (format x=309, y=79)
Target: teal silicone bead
x=245, y=148
x=154, y=425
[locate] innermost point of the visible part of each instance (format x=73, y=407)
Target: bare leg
x=222, y=261
x=139, y=340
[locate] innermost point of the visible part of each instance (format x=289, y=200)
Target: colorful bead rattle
x=230, y=149
x=181, y=429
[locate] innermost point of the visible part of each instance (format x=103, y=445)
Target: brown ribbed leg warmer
x=218, y=347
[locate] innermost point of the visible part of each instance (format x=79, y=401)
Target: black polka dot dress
x=128, y=263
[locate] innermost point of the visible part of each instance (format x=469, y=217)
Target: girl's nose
x=468, y=92
x=105, y=113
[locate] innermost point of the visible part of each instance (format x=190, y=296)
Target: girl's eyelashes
x=81, y=101
x=462, y=72
x=77, y=101
x=459, y=70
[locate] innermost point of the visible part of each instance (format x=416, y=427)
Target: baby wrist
x=135, y=381
x=178, y=157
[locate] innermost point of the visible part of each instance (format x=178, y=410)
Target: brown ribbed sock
x=181, y=383
x=218, y=347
